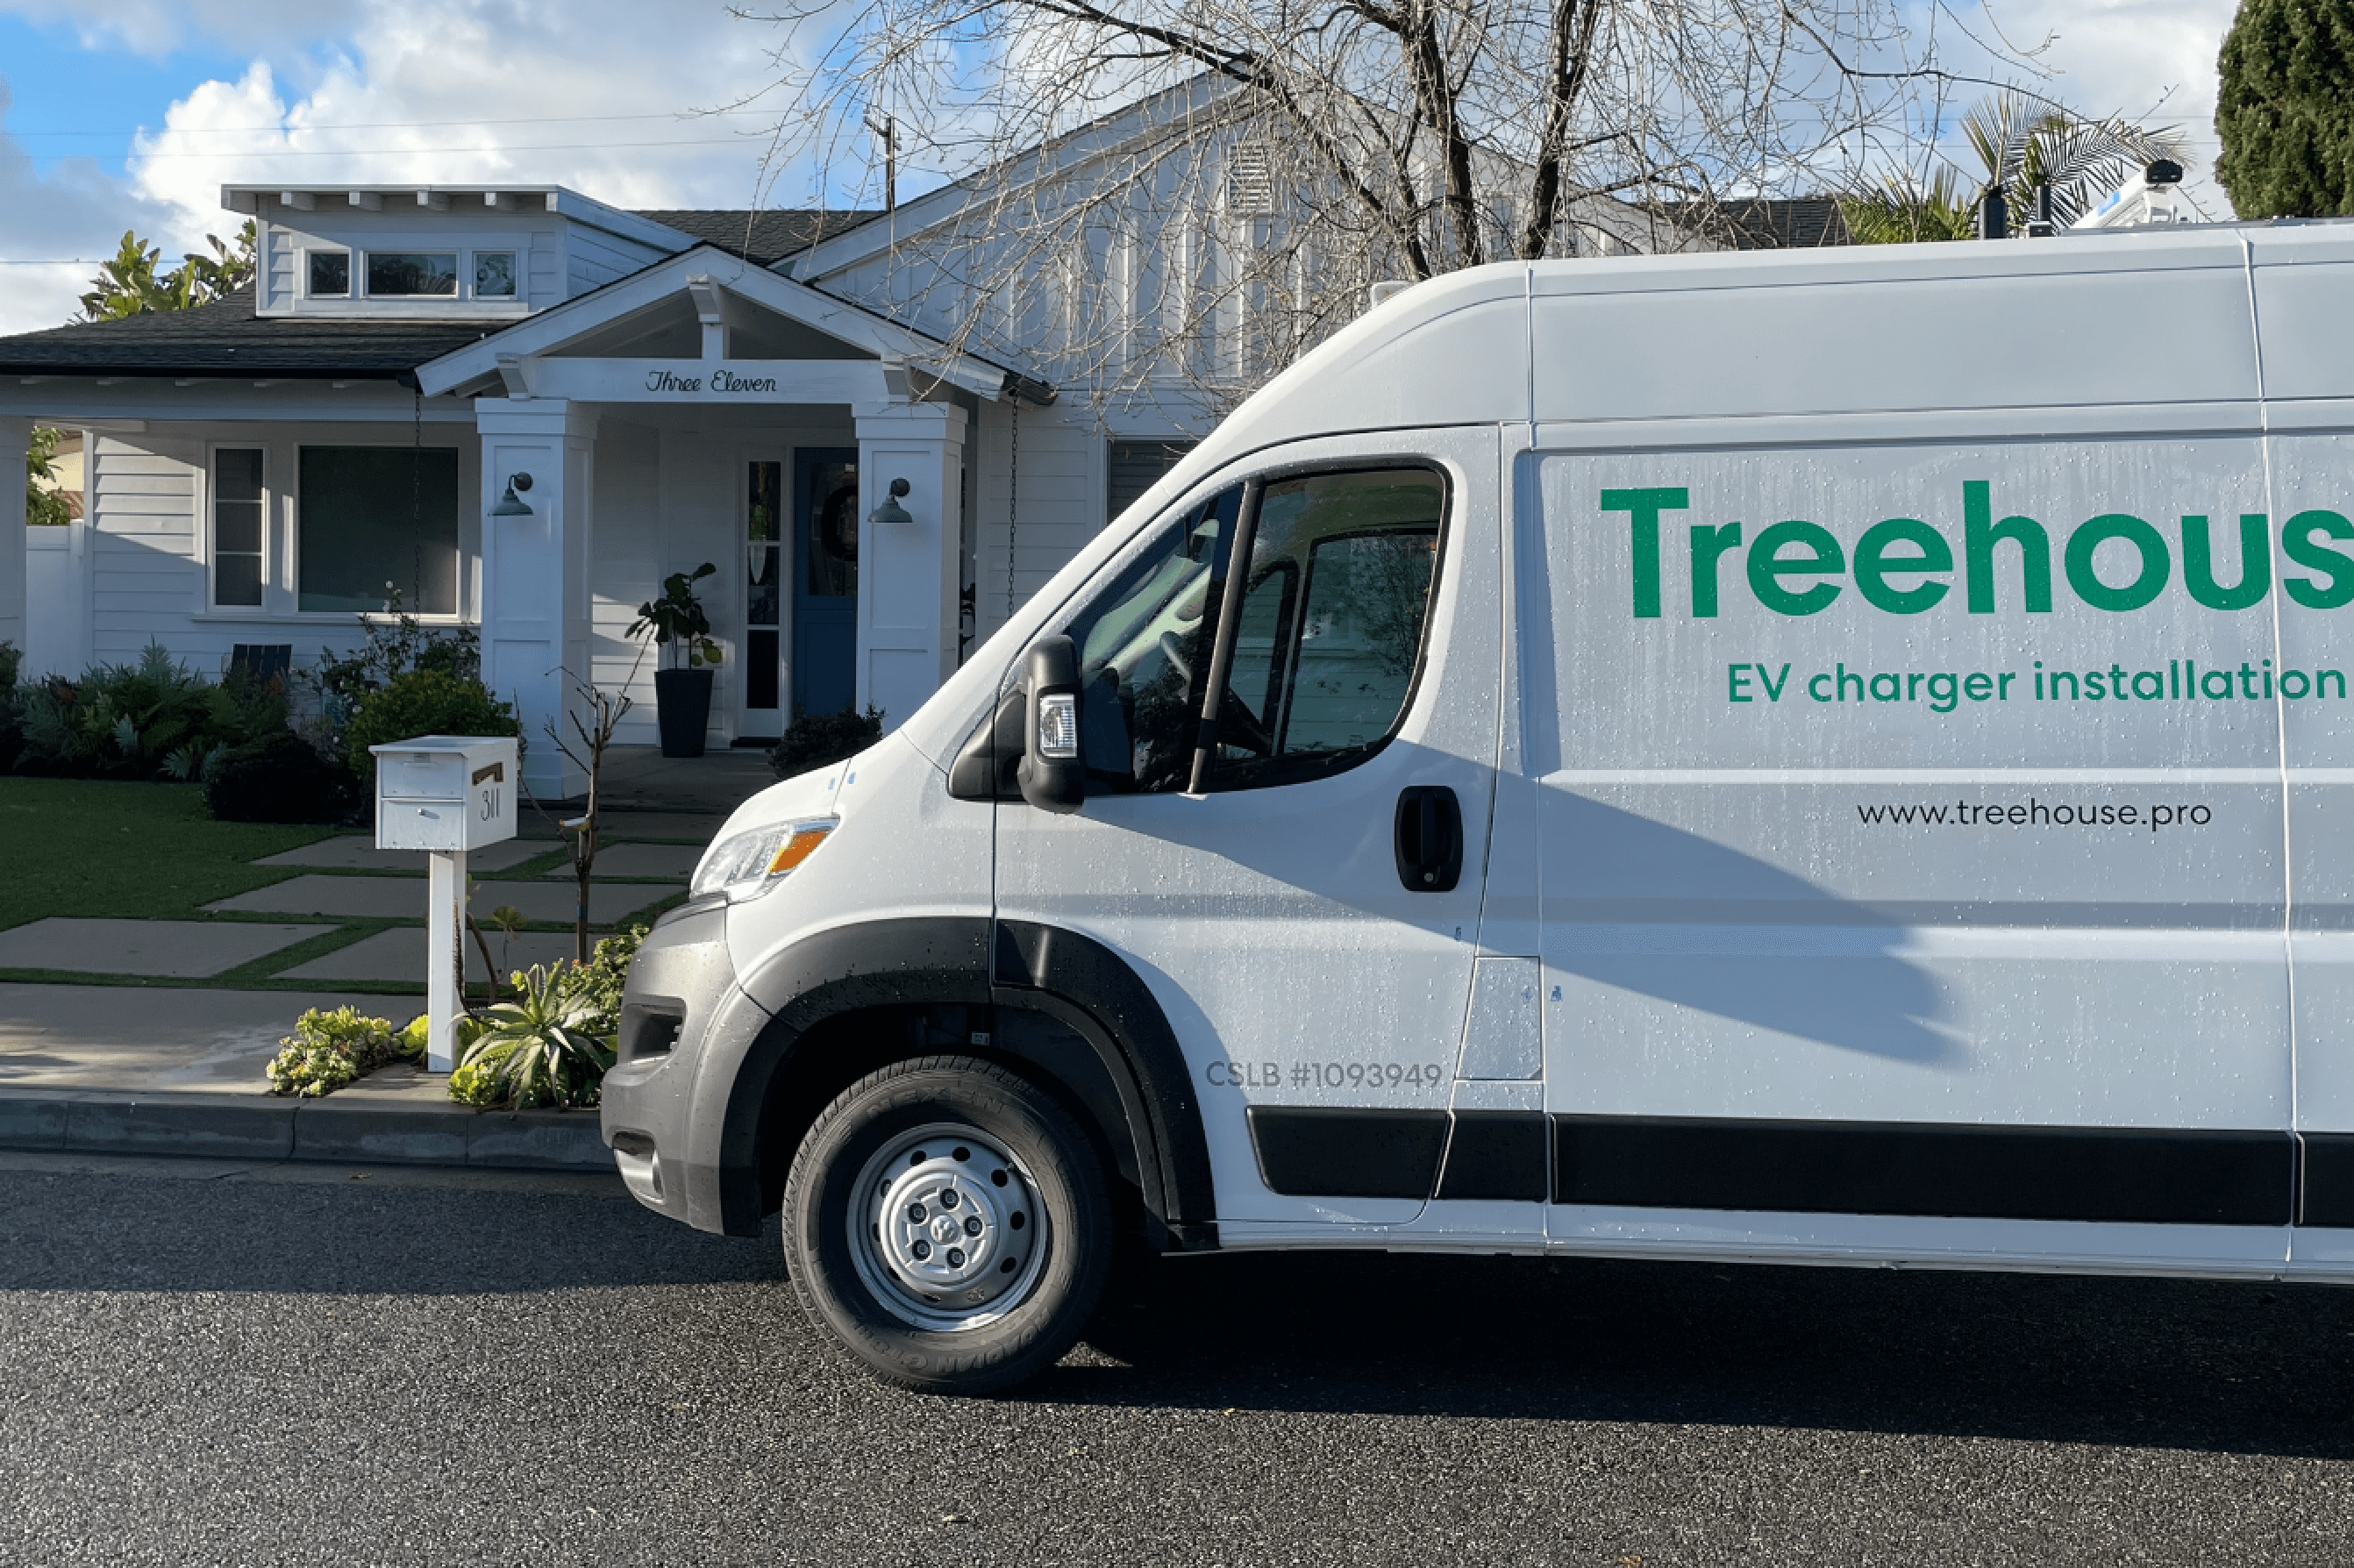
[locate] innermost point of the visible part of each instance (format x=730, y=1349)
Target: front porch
x=705, y=410
x=640, y=779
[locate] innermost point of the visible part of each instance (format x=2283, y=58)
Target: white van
x=1830, y=756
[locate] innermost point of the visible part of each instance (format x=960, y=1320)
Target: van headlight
x=744, y=865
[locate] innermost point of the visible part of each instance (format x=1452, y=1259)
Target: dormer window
x=331, y=274
x=495, y=274
x=403, y=274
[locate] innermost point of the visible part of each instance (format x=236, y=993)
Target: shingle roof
x=760, y=238
x=227, y=338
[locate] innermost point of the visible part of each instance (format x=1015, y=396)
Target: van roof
x=2152, y=315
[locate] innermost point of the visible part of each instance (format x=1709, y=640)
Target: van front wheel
x=947, y=1223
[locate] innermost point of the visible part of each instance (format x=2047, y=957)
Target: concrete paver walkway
x=399, y=954
x=172, y=949
x=357, y=851
x=675, y=862
x=403, y=898
x=157, y=1037
x=179, y=1069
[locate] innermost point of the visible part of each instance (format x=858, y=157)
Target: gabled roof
x=759, y=238
x=476, y=364
x=227, y=338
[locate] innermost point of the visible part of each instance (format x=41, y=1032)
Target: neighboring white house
x=521, y=408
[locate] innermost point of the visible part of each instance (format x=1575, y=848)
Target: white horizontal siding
x=145, y=582
x=1030, y=524
x=597, y=258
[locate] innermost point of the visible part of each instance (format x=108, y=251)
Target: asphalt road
x=314, y=1369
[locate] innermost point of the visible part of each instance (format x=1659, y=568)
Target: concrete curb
x=253, y=1127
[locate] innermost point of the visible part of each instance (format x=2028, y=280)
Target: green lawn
x=73, y=846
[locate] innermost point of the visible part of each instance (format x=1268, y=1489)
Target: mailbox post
x=445, y=794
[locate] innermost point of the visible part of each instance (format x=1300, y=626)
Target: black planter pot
x=682, y=710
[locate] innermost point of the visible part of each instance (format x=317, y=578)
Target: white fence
x=56, y=600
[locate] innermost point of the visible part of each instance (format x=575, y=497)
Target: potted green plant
x=681, y=690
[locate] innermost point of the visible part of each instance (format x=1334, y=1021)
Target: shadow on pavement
x=2167, y=1363
x=2244, y=1368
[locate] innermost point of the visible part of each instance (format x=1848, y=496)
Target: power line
x=392, y=124
x=736, y=141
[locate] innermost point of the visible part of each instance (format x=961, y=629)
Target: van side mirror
x=1053, y=774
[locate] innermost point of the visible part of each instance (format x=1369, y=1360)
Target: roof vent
x=1250, y=180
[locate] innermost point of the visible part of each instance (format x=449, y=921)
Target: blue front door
x=825, y=580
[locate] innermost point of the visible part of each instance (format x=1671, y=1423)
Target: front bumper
x=680, y=984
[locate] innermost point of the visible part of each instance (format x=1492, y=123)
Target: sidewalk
x=129, y=1063
x=155, y=1070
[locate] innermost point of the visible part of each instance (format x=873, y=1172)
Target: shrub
x=394, y=647
x=152, y=719
x=424, y=702
x=813, y=740
x=329, y=1050
x=601, y=983
x=536, y=1050
x=580, y=1002
x=279, y=779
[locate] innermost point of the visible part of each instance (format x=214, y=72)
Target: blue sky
x=601, y=95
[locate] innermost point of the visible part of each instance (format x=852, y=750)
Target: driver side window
x=1326, y=640
x=1144, y=651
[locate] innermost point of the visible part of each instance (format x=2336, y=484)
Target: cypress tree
x=2285, y=110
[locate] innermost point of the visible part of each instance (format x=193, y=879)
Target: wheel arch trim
x=974, y=960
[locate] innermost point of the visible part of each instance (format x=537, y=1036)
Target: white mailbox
x=447, y=792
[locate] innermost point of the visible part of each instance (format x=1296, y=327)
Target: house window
x=331, y=274
x=495, y=274
x=374, y=523
x=403, y=273
x=1134, y=467
x=237, y=527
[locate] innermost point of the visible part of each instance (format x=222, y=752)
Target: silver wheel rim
x=945, y=1228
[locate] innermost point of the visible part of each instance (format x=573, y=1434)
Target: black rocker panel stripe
x=2326, y=1198
x=2151, y=1176
x=1496, y=1154
x=1313, y=1151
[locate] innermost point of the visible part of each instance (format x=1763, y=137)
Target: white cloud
x=2150, y=60
x=599, y=95
x=155, y=28
x=449, y=90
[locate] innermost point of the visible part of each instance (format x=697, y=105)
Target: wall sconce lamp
x=891, y=512
x=510, y=505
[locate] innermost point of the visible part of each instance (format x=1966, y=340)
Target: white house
x=521, y=408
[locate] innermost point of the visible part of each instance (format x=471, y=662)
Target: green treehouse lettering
x=1906, y=566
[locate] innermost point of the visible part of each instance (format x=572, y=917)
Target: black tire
x=1017, y=1156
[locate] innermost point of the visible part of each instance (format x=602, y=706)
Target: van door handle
x=1430, y=839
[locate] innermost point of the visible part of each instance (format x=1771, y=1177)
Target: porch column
x=16, y=435
x=909, y=572
x=535, y=606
